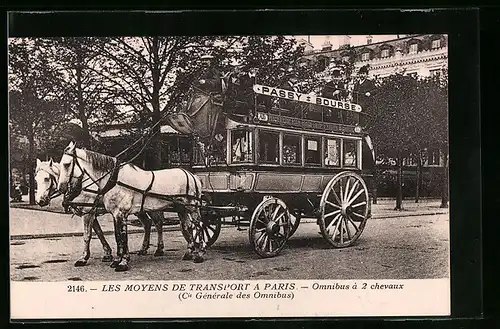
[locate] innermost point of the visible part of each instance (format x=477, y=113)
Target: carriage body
x=267, y=161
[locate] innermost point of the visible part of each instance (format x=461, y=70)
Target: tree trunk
x=419, y=177
x=399, y=193
x=155, y=102
x=81, y=102
x=444, y=193
x=31, y=169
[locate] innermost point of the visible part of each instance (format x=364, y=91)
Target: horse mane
x=100, y=162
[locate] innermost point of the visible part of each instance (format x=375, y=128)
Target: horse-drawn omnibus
x=287, y=156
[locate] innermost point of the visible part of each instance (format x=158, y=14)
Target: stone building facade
x=419, y=54
x=415, y=54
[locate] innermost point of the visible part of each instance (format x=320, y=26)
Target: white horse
x=47, y=176
x=127, y=189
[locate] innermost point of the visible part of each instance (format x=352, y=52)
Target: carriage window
x=217, y=154
x=332, y=152
x=180, y=151
x=268, y=147
x=241, y=146
x=350, y=153
x=292, y=149
x=313, y=150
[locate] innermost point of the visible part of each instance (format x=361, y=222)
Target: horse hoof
x=80, y=262
x=187, y=256
x=142, y=252
x=159, y=253
x=107, y=259
x=121, y=268
x=114, y=264
x=198, y=259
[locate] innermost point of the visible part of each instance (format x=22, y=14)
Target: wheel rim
x=295, y=221
x=344, y=209
x=269, y=227
x=210, y=226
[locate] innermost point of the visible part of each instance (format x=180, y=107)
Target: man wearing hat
x=363, y=88
x=240, y=89
x=335, y=88
x=211, y=78
x=289, y=83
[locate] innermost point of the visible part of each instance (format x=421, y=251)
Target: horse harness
x=113, y=181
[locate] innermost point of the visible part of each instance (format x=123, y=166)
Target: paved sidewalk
x=34, y=222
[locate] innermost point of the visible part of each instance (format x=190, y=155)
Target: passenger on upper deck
x=211, y=78
x=363, y=89
x=335, y=88
x=240, y=90
x=289, y=83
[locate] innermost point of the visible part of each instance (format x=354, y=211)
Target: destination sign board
x=306, y=98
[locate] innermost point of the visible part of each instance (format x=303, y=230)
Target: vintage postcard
x=229, y=176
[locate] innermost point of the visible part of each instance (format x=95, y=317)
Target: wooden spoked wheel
x=344, y=209
x=270, y=227
x=211, y=225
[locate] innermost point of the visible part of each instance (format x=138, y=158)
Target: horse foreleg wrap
x=118, y=237
x=124, y=238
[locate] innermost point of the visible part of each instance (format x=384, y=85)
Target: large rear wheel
x=344, y=209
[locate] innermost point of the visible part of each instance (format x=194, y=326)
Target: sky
x=335, y=40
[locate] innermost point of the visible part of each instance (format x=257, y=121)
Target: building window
x=365, y=56
x=433, y=157
x=436, y=44
x=350, y=153
x=268, y=147
x=323, y=62
x=313, y=150
x=413, y=48
x=241, y=146
x=332, y=152
x=292, y=150
x=435, y=72
x=384, y=53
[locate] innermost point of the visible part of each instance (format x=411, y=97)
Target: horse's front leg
x=146, y=223
x=88, y=220
x=118, y=239
x=187, y=227
x=199, y=242
x=157, y=219
x=108, y=257
x=125, y=256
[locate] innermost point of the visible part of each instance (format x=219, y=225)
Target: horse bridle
x=53, y=183
x=100, y=192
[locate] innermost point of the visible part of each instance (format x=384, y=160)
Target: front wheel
x=344, y=209
x=270, y=227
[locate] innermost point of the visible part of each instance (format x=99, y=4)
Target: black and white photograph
x=196, y=168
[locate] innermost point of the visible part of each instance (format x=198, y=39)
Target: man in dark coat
x=334, y=89
x=211, y=77
x=240, y=90
x=363, y=89
x=290, y=84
